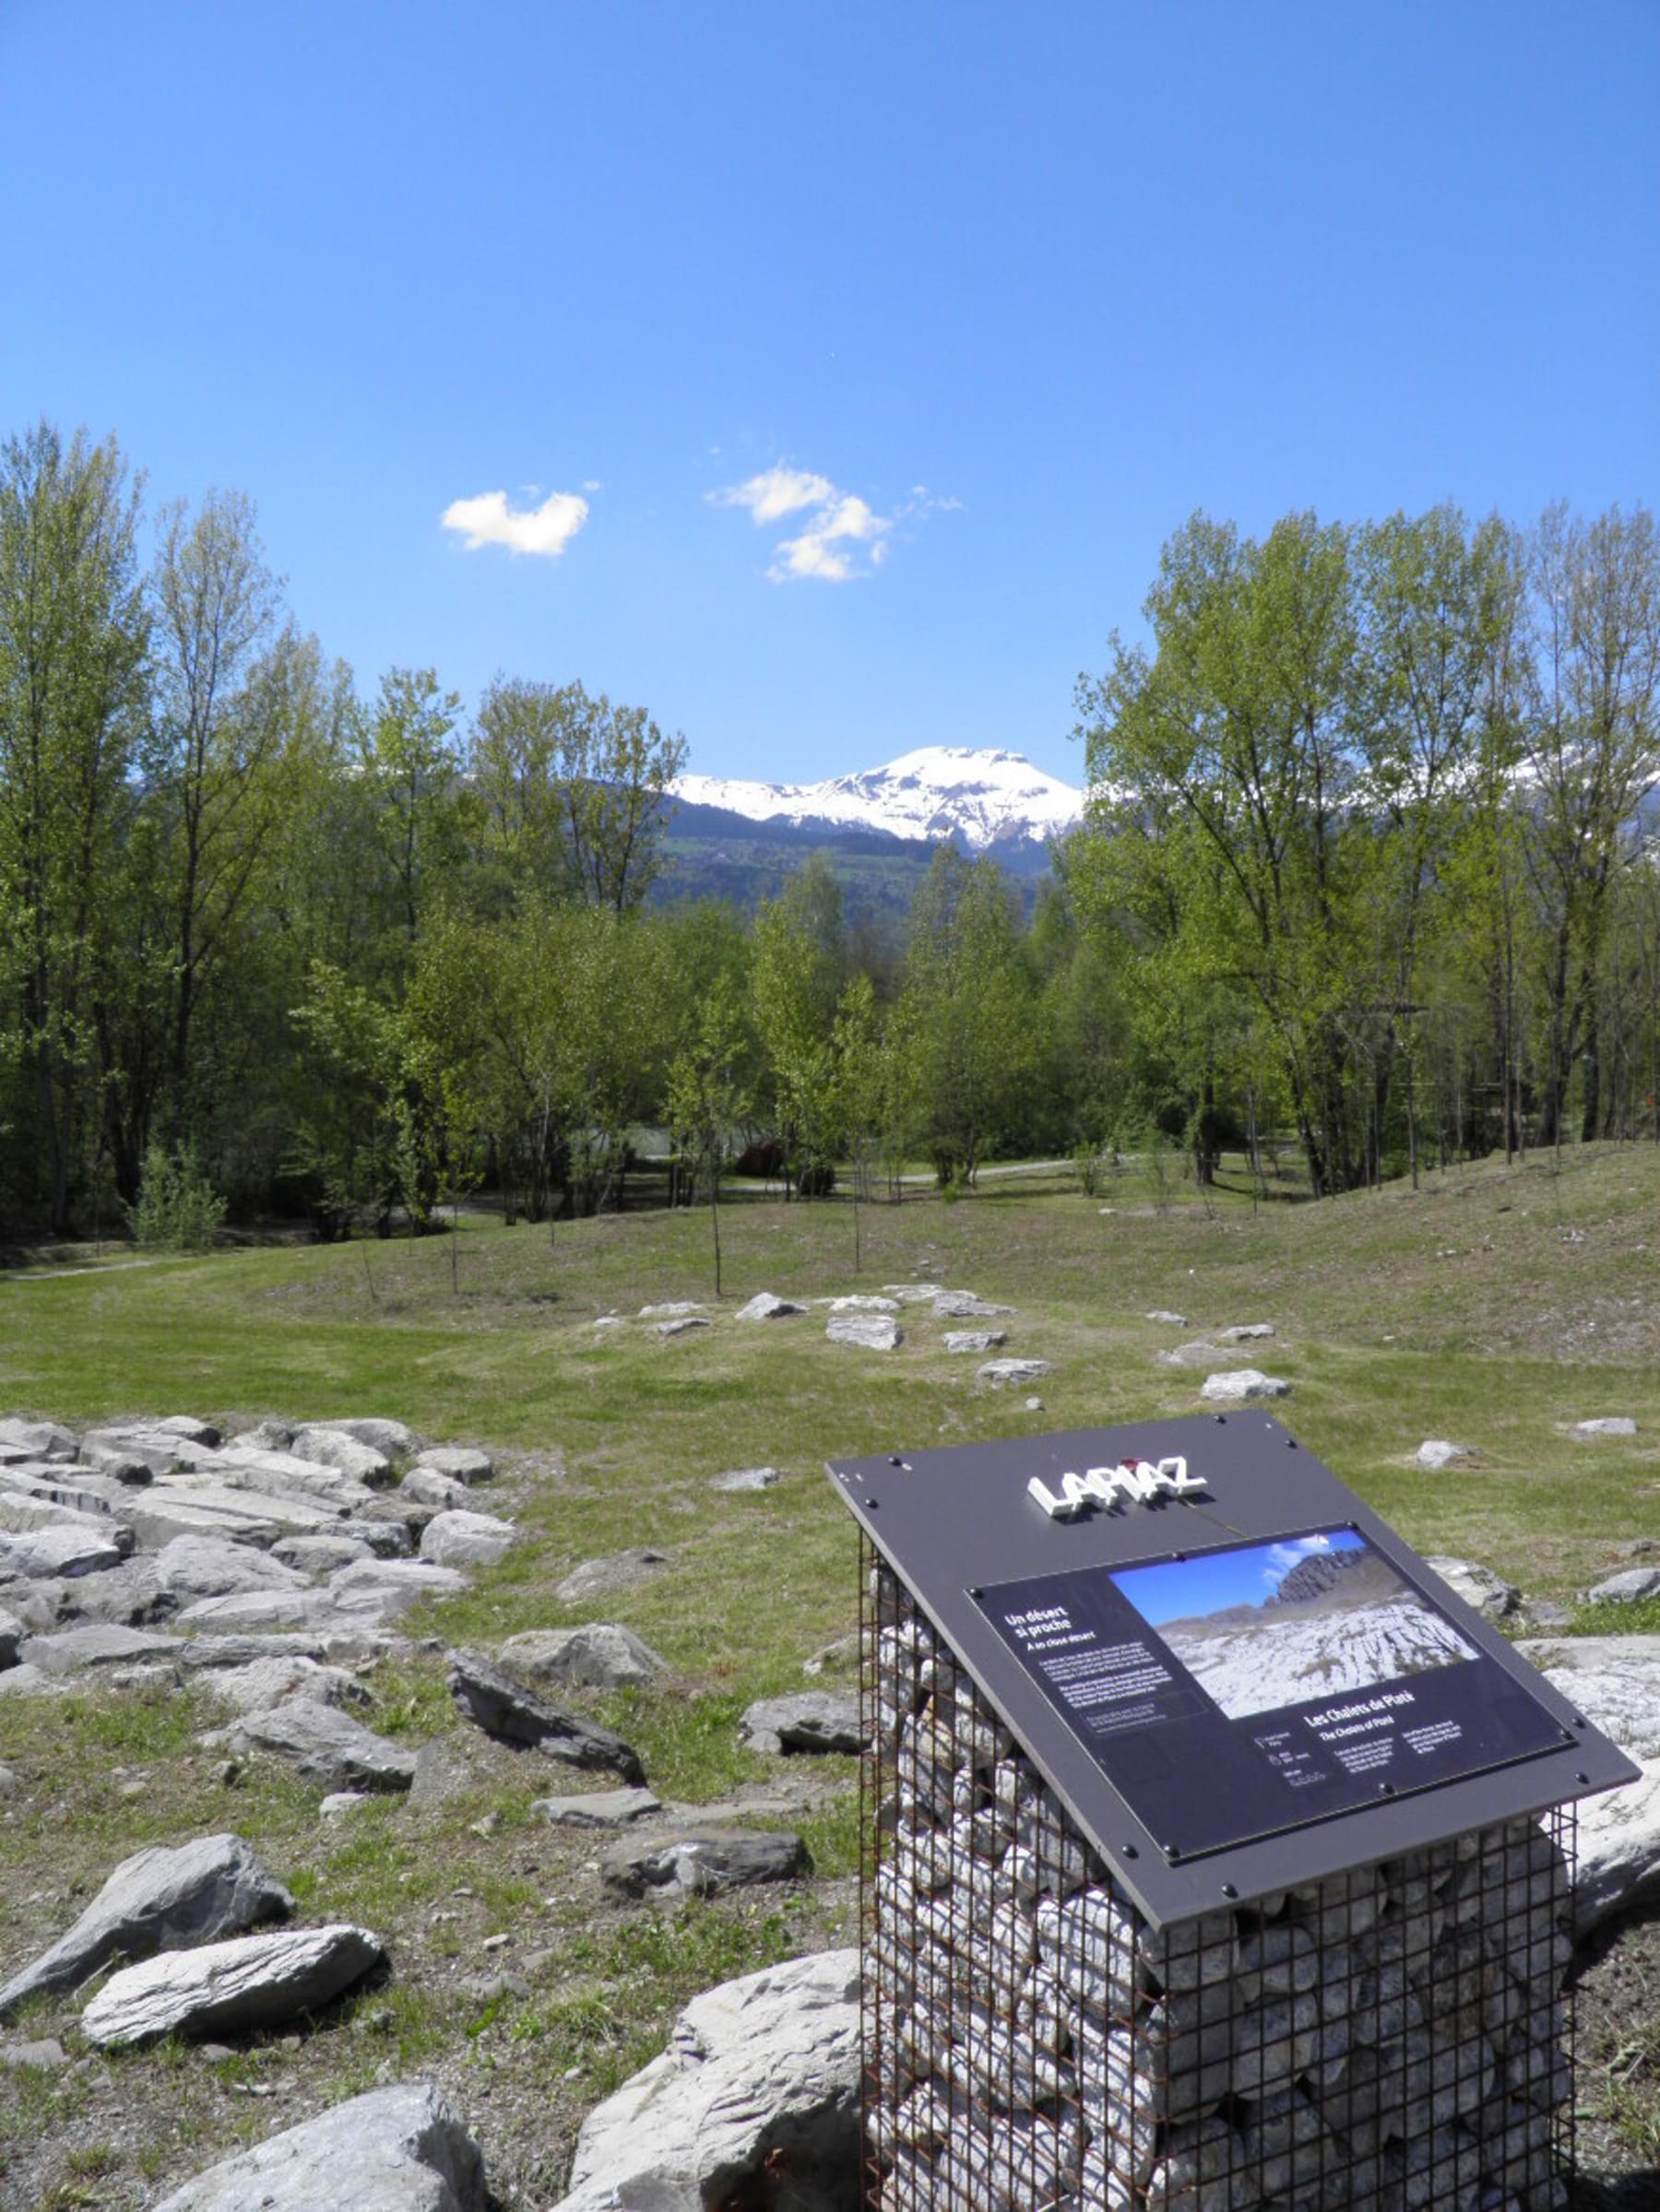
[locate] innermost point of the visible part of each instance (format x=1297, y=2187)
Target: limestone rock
x=914, y=1293
x=398, y=2149
x=702, y=1864
x=391, y=1437
x=127, y=1596
x=864, y=1302
x=974, y=1339
x=322, y=1555
x=1200, y=1353
x=1610, y=1425
x=1627, y=1589
x=962, y=1306
x=1613, y=1680
x=1480, y=1587
x=598, y=1808
x=598, y=1655
x=674, y=1309
x=505, y=1709
x=1165, y=1318
x=189, y=1568
x=1243, y=1386
x=998, y=1372
x=1245, y=1332
x=67, y=1547
x=338, y=1449
x=748, y=1478
x=463, y=1539
x=809, y=1721
x=683, y=1325
x=388, y=1586
x=11, y=1636
x=232, y=1988
x=264, y=1682
x=327, y=1746
x=38, y=1439
x=597, y=1578
x=766, y=1306
x=79, y=1650
x=1436, y=1452
x=30, y=1681
x=159, y=1900
x=430, y=1486
x=869, y=1331
x=461, y=1462
x=263, y=1612
x=757, y=2091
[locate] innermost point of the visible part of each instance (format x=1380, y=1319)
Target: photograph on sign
x=1236, y=1693
x=1267, y=1624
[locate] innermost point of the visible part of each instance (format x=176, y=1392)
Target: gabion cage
x=1397, y=2038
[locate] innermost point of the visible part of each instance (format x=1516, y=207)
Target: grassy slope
x=1493, y=1308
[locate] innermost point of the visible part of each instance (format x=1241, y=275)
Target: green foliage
x=177, y=1209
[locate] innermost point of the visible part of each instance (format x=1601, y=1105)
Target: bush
x=178, y=1210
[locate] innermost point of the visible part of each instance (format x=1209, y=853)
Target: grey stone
x=340, y=1804
x=765, y=1307
x=461, y=1462
x=127, y=1596
x=9, y=1784
x=40, y=1439
x=869, y=1332
x=914, y=1293
x=1480, y=1587
x=427, y=1487
x=203, y=1654
x=267, y=1682
x=207, y=1566
x=189, y=1429
x=974, y=1339
x=839, y=1658
x=323, y=1744
x=1165, y=1318
x=338, y=1449
x=462, y=1539
x=1613, y=1680
x=163, y=1511
x=597, y=1577
x=30, y=1681
x=269, y=1435
x=683, y=1325
x=388, y=1586
x=397, y=2149
x=1243, y=1386
x=674, y=1309
x=1245, y=1332
x=391, y=1438
x=288, y=1479
x=159, y=1900
x=962, y=1306
x=1435, y=1452
x=78, y=1651
x=11, y=1636
x=50, y=1482
x=598, y=1809
x=506, y=1709
x=321, y=1554
x=46, y=2055
x=748, y=1478
x=1627, y=1589
x=1610, y=1425
x=809, y=1721
x=998, y=1372
x=232, y=1988
x=700, y=1864
x=66, y=1549
x=262, y=1612
x=759, y=2072
x=598, y=1655
x=864, y=1302
x=159, y=1448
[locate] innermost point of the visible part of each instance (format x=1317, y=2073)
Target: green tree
x=707, y=1096
x=73, y=640
x=796, y=982
x=412, y=765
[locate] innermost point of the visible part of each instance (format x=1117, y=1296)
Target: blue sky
x=857, y=360
x=1176, y=1590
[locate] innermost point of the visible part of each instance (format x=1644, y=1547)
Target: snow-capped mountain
x=980, y=797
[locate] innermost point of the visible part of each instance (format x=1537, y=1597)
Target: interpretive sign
x=1234, y=1675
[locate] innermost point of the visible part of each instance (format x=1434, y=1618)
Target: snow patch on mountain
x=981, y=796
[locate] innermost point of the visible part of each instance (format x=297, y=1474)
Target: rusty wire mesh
x=1395, y=2038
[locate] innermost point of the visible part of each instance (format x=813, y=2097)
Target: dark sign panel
x=1234, y=1693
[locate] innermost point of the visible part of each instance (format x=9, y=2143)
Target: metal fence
x=1395, y=2038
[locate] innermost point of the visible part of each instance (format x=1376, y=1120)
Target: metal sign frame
x=957, y=1521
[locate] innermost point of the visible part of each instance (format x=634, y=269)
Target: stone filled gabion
x=1390, y=2039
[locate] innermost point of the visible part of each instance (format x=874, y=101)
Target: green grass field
x=1493, y=1308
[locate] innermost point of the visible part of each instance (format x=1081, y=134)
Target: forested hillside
x=1365, y=868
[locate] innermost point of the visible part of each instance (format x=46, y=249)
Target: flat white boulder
x=97, y=1644
x=1243, y=1386
x=598, y=1808
x=431, y=1486
x=869, y=1332
x=999, y=1372
x=1165, y=1318
x=1245, y=1332
x=671, y=1309
x=1628, y=1587
x=682, y=1324
x=326, y=1446
x=1436, y=1452
x=864, y=1302
x=38, y=1439
x=964, y=1306
x=748, y=1478
x=1480, y=1587
x=462, y=1462
x=67, y=1547
x=264, y=1682
x=1615, y=1682
x=399, y=2149
x=1609, y=1424
x=766, y=1307
x=159, y=1900
x=326, y=1745
x=973, y=1339
x=392, y=1438
x=232, y=1988
x=458, y=1538
x=188, y=1567
x=598, y=1655
x=914, y=1293
x=388, y=1586
x=761, y=2075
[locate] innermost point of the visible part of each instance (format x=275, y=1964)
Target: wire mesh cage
x=1398, y=2038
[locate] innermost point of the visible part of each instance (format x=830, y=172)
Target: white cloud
x=843, y=536
x=487, y=519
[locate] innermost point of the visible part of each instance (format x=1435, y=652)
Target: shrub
x=178, y=1210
